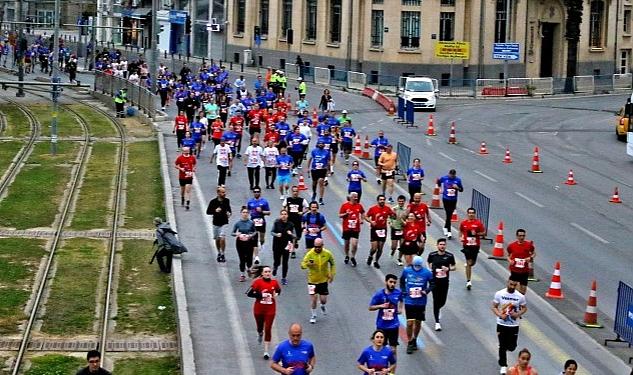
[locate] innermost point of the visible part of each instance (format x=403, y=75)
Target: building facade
x=398, y=37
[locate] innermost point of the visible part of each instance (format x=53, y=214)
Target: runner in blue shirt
x=347, y=140
x=313, y=223
x=451, y=186
x=355, y=178
x=379, y=144
x=377, y=359
x=284, y=166
x=231, y=139
x=416, y=283
x=388, y=302
x=295, y=141
x=322, y=127
x=258, y=208
x=196, y=129
x=188, y=141
x=294, y=354
x=319, y=163
x=415, y=175
x=283, y=129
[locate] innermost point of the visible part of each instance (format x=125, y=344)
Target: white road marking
x=428, y=141
x=446, y=156
x=485, y=176
x=537, y=204
x=589, y=233
x=469, y=150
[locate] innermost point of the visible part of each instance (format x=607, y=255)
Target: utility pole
x=55, y=80
x=20, y=44
x=153, y=61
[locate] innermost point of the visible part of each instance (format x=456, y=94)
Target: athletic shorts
x=375, y=237
x=261, y=232
x=384, y=176
x=309, y=243
x=347, y=147
x=198, y=140
x=318, y=174
x=347, y=234
x=409, y=248
x=334, y=148
x=218, y=231
x=284, y=180
x=521, y=277
x=320, y=289
x=391, y=336
x=470, y=253
x=415, y=312
x=396, y=234
x=185, y=181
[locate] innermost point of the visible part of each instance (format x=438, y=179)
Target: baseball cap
x=344, y=111
x=418, y=262
x=299, y=79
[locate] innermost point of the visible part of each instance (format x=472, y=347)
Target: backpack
x=166, y=238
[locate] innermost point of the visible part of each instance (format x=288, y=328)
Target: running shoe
x=376, y=265
x=256, y=262
x=449, y=235
x=281, y=197
x=399, y=262
x=414, y=343
x=275, y=271
x=293, y=255
x=346, y=260
x=469, y=285
x=219, y=258
x=503, y=370
x=353, y=260
x=182, y=201
x=312, y=319
x=438, y=326
x=223, y=258
x=323, y=309
x=378, y=181
x=390, y=199
x=410, y=347
x=321, y=201
x=445, y=231
x=242, y=278
x=369, y=260
x=284, y=281
x=266, y=356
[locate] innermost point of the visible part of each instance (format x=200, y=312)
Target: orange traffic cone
x=536, y=168
x=497, y=250
x=302, y=183
x=315, y=115
x=357, y=148
x=555, y=290
x=392, y=110
x=452, y=138
x=570, y=178
x=366, y=149
x=435, y=200
x=430, y=131
x=507, y=159
x=591, y=313
x=483, y=150
x=616, y=196
x=454, y=217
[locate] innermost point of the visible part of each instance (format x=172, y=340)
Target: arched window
x=596, y=20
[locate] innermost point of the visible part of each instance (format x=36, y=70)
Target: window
x=447, y=3
x=501, y=19
x=595, y=24
x=377, y=1
x=377, y=25
x=410, y=30
x=264, y=8
x=626, y=22
x=625, y=57
x=447, y=22
x=412, y=2
x=311, y=19
x=335, y=21
x=240, y=16
x=286, y=16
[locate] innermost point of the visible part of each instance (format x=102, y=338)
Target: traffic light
x=257, y=31
x=289, y=36
x=188, y=25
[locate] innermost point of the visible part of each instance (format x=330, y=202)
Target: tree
x=572, y=34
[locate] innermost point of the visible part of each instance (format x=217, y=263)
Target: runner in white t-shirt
x=508, y=306
x=224, y=159
x=270, y=164
x=253, y=160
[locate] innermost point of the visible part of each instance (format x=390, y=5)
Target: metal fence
x=623, y=326
x=404, y=160
x=481, y=204
x=137, y=96
x=356, y=80
x=321, y=76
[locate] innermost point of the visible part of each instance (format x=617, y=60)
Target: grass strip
x=19, y=261
x=99, y=125
x=55, y=364
x=142, y=291
x=17, y=122
x=34, y=197
x=8, y=150
x=92, y=209
x=144, y=199
x=67, y=125
x=70, y=309
x=147, y=366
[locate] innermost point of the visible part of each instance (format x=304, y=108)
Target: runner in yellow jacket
x=321, y=271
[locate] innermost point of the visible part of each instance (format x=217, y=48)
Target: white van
x=422, y=91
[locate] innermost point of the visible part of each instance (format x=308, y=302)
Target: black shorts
x=521, y=277
x=347, y=234
x=471, y=252
x=320, y=289
x=261, y=232
x=409, y=248
x=318, y=174
x=185, y=181
x=334, y=148
x=415, y=312
x=309, y=243
x=373, y=235
x=347, y=147
x=391, y=336
x=384, y=176
x=396, y=234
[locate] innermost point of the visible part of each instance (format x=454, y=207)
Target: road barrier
x=409, y=115
x=136, y=95
x=404, y=160
x=622, y=81
x=322, y=76
x=291, y=71
x=481, y=204
x=623, y=326
x=356, y=80
x=584, y=84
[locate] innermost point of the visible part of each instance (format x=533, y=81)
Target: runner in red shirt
x=265, y=290
x=413, y=232
x=353, y=214
x=186, y=165
x=254, y=121
x=421, y=212
x=217, y=128
x=377, y=216
x=237, y=123
x=181, y=125
x=471, y=231
x=521, y=255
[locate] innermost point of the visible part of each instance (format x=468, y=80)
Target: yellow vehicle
x=623, y=119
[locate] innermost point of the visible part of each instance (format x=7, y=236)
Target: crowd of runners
x=297, y=151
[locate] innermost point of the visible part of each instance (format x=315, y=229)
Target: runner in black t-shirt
x=220, y=208
x=441, y=262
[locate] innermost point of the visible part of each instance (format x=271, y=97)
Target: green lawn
x=34, y=197
x=147, y=366
x=70, y=308
x=55, y=364
x=67, y=124
x=144, y=199
x=19, y=261
x=8, y=150
x=93, y=205
x=17, y=122
x=142, y=289
x=99, y=125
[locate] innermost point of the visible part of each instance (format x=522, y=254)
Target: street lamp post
x=56, y=79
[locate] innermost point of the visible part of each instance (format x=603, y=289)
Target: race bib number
x=381, y=233
x=258, y=221
x=267, y=299
x=451, y=192
x=471, y=241
x=318, y=165
x=388, y=314
x=415, y=292
x=398, y=233
x=283, y=166
x=326, y=146
x=355, y=177
x=352, y=224
x=347, y=134
x=294, y=208
x=244, y=237
x=311, y=289
x=440, y=273
x=416, y=177
x=188, y=174
x=519, y=262
x=388, y=173
x=197, y=130
x=314, y=231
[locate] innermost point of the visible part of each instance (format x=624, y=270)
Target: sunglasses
x=318, y=247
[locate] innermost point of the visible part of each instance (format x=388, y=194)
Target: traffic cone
x=435, y=200
x=616, y=196
x=357, y=148
x=555, y=290
x=452, y=138
x=430, y=131
x=507, y=159
x=366, y=149
x=315, y=115
x=536, y=168
x=483, y=150
x=302, y=183
x=591, y=313
x=497, y=250
x=570, y=178
x=454, y=217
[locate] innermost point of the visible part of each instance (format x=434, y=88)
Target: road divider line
x=589, y=233
x=446, y=156
x=485, y=176
x=537, y=204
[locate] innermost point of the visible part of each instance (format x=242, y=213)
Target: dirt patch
x=135, y=128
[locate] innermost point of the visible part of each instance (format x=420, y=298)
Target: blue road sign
x=505, y=51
